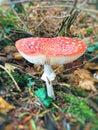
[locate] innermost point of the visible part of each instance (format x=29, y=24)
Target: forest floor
x=24, y=104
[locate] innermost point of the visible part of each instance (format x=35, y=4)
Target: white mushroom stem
x=48, y=76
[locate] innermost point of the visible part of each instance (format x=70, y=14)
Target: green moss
x=80, y=108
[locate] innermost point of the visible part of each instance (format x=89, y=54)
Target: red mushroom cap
x=52, y=51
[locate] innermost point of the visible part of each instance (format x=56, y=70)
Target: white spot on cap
x=75, y=50
x=73, y=43
x=67, y=41
x=79, y=41
x=70, y=53
x=80, y=47
x=32, y=43
x=67, y=38
x=24, y=42
x=79, y=44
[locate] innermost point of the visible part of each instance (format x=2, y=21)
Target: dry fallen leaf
x=83, y=74
x=9, y=49
x=36, y=69
x=91, y=66
x=4, y=106
x=86, y=80
x=9, y=127
x=10, y=67
x=83, y=79
x=75, y=31
x=87, y=85
x=17, y=56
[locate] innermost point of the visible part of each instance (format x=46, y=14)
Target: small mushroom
x=48, y=52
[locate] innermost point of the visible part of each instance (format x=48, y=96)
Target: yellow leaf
x=4, y=106
x=10, y=67
x=17, y=56
x=91, y=66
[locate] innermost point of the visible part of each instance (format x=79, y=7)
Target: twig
x=20, y=19
x=46, y=6
x=93, y=105
x=74, y=6
x=93, y=16
x=49, y=17
x=14, y=2
x=70, y=6
x=94, y=94
x=92, y=59
x=90, y=10
x=64, y=21
x=82, y=4
x=2, y=67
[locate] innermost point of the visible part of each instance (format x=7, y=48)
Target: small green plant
x=5, y=79
x=79, y=108
x=89, y=31
x=92, y=48
x=20, y=79
x=41, y=94
x=23, y=80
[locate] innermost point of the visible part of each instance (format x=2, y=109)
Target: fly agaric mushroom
x=48, y=52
